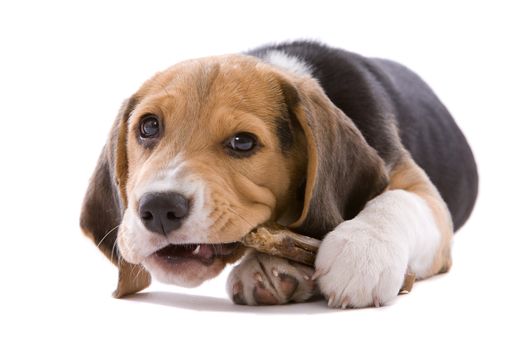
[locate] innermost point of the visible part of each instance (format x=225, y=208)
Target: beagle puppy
x=358, y=152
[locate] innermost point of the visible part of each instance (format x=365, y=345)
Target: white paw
x=360, y=265
x=262, y=279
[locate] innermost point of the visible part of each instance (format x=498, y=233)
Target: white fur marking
x=364, y=260
x=288, y=63
x=136, y=242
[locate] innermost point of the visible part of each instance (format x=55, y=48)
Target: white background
x=66, y=66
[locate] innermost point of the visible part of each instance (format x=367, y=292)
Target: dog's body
x=377, y=93
x=329, y=143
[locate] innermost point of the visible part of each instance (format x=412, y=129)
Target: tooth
x=196, y=250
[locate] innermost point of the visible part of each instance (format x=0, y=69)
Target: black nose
x=163, y=212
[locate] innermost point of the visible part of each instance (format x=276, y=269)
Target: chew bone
x=277, y=240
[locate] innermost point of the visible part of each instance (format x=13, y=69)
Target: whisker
x=115, y=252
x=119, y=261
x=241, y=217
x=106, y=235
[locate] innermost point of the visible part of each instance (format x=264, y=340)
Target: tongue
x=203, y=251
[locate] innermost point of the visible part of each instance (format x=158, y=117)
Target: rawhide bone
x=279, y=241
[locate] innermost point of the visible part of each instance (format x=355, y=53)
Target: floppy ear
x=343, y=171
x=105, y=202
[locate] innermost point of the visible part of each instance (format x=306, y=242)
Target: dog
x=357, y=152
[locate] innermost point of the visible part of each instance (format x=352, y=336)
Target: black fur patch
x=381, y=96
x=284, y=133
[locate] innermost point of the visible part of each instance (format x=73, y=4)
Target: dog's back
x=379, y=95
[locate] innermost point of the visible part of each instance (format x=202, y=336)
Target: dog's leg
x=362, y=262
x=261, y=279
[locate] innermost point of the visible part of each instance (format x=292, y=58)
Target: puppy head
x=211, y=152
x=209, y=149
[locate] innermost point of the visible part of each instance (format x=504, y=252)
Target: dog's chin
x=189, y=265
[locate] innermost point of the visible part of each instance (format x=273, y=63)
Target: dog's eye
x=242, y=142
x=149, y=126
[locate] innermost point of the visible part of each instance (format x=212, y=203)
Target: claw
x=331, y=300
x=346, y=302
x=237, y=287
x=237, y=294
x=318, y=273
x=376, y=302
x=258, y=277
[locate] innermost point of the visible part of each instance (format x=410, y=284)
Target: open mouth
x=203, y=253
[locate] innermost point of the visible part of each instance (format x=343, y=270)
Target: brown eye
x=149, y=127
x=242, y=142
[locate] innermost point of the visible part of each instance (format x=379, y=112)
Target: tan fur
x=202, y=103
x=121, y=160
x=311, y=150
x=408, y=176
x=339, y=158
x=132, y=278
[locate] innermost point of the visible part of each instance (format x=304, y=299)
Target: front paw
x=262, y=279
x=359, y=266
